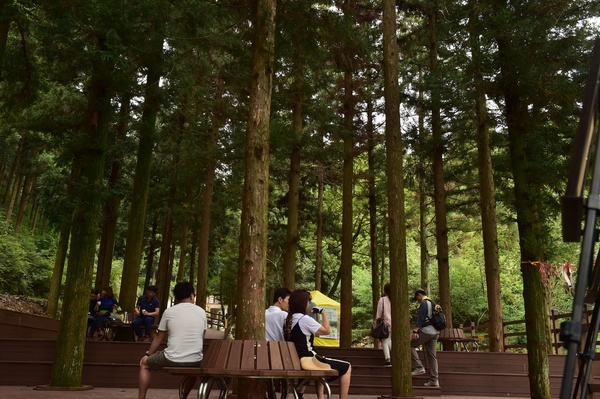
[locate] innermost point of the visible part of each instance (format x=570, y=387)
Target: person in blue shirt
x=104, y=307
x=147, y=309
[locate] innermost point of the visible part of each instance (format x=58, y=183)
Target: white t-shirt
x=307, y=325
x=185, y=324
x=274, y=321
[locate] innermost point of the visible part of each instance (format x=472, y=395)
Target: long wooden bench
x=457, y=336
x=226, y=359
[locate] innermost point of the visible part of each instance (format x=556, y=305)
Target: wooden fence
x=515, y=336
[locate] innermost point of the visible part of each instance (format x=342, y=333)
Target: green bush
x=25, y=265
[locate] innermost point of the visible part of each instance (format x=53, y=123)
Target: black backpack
x=437, y=318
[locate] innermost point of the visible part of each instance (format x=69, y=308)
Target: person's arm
x=325, y=329
x=379, y=313
x=158, y=338
x=420, y=320
x=155, y=313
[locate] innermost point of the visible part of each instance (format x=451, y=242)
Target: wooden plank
x=222, y=354
x=247, y=355
x=294, y=356
x=262, y=355
x=234, y=356
x=275, y=361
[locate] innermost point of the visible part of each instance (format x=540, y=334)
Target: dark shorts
x=157, y=361
x=341, y=366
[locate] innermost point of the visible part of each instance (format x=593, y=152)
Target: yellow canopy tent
x=332, y=308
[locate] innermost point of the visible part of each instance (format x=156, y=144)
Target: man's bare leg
x=144, y=378
x=189, y=385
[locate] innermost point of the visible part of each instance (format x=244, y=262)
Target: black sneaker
x=387, y=364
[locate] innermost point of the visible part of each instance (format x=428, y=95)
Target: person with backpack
x=427, y=335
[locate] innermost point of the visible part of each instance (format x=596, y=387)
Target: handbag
x=380, y=330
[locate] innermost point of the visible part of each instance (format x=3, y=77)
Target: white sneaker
x=418, y=371
x=432, y=384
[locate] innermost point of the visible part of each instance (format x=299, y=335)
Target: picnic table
x=272, y=360
x=457, y=337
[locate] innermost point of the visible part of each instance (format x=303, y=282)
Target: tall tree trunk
x=423, y=208
x=185, y=224
x=27, y=187
x=291, y=242
x=376, y=288
x=70, y=345
x=57, y=271
x=487, y=202
x=319, y=250
x=347, y=214
x=137, y=217
x=113, y=202
x=530, y=224
x=11, y=174
x=16, y=190
x=400, y=356
x=255, y=200
x=150, y=257
x=439, y=188
x=163, y=273
x=209, y=189
x=63, y=245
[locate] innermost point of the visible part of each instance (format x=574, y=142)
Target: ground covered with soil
x=19, y=303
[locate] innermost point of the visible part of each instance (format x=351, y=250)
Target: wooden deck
x=28, y=358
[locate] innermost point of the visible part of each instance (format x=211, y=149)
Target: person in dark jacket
x=425, y=334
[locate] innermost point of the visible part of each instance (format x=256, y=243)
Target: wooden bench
x=457, y=336
x=226, y=359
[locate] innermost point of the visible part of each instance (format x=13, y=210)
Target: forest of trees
x=150, y=142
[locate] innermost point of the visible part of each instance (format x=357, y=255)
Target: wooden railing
x=515, y=336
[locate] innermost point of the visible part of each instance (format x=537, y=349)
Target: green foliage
x=25, y=263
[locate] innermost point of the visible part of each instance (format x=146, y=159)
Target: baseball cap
x=417, y=292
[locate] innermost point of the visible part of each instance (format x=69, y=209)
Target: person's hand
x=144, y=312
x=317, y=309
x=414, y=336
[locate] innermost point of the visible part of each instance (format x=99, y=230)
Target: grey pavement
x=25, y=392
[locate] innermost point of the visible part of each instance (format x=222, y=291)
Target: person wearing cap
x=182, y=326
x=275, y=315
x=301, y=329
x=147, y=309
x=424, y=334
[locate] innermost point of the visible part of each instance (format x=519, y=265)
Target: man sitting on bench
x=183, y=324
x=146, y=310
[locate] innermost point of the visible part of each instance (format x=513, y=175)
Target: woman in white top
x=384, y=311
x=301, y=329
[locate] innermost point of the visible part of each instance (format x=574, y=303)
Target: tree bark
x=487, y=202
x=70, y=346
x=112, y=204
x=254, y=221
x=136, y=222
x=376, y=287
x=291, y=242
x=400, y=354
x=209, y=190
x=347, y=214
x=439, y=189
x=530, y=225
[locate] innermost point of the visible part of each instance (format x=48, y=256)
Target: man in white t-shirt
x=182, y=326
x=275, y=315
